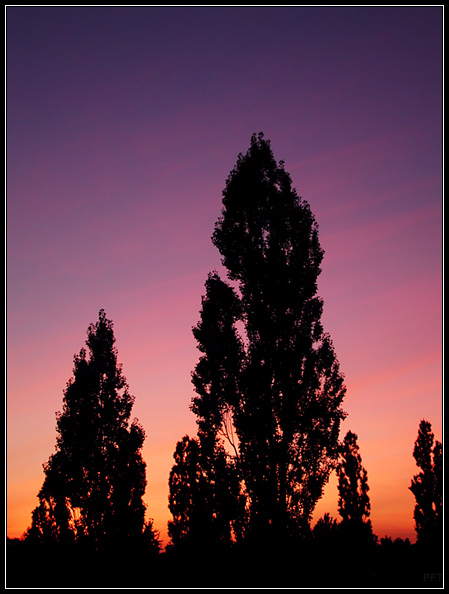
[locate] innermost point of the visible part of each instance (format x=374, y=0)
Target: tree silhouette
x=274, y=392
x=215, y=380
x=354, y=503
x=185, y=489
x=95, y=480
x=203, y=497
x=220, y=513
x=427, y=486
x=325, y=530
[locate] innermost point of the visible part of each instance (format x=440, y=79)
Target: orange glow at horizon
x=390, y=471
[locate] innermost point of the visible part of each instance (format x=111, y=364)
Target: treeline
x=268, y=403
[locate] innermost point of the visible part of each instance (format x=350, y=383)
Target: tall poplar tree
x=269, y=380
x=94, y=482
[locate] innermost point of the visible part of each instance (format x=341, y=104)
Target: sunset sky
x=122, y=127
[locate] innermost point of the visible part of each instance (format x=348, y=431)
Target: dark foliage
x=354, y=504
x=187, y=486
x=203, y=497
x=427, y=487
x=268, y=382
x=95, y=480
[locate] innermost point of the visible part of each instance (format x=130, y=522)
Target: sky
x=123, y=124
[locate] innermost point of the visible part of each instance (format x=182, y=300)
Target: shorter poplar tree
x=94, y=482
x=353, y=504
x=427, y=486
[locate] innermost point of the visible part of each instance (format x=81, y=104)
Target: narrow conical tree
x=95, y=480
x=186, y=495
x=354, y=503
x=427, y=486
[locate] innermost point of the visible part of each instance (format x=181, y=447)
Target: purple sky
x=122, y=127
